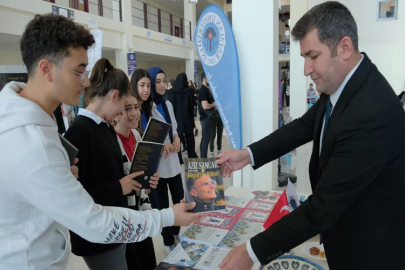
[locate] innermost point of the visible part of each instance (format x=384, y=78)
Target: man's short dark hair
x=333, y=21
x=49, y=37
x=311, y=84
x=203, y=76
x=172, y=82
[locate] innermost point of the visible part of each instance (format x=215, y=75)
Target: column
x=255, y=27
x=126, y=37
x=190, y=16
x=298, y=98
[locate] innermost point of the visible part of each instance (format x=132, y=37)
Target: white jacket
x=40, y=199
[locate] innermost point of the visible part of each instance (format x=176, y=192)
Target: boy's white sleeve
x=53, y=189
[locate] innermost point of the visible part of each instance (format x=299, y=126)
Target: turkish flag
x=281, y=209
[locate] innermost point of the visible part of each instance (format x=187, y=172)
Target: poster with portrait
x=204, y=185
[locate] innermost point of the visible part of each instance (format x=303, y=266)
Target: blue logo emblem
x=211, y=38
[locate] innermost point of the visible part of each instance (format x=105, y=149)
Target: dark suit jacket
x=358, y=181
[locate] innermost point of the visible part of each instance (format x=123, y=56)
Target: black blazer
x=358, y=181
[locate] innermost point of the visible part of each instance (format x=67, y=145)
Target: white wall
x=259, y=103
x=10, y=58
x=170, y=70
x=382, y=41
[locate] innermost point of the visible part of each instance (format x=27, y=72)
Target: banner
x=216, y=47
x=131, y=58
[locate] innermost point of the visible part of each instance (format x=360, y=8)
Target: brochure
x=168, y=266
x=241, y=232
x=230, y=211
x=236, y=201
x=203, y=234
x=260, y=205
x=267, y=196
x=212, y=258
x=254, y=215
x=186, y=254
x=216, y=221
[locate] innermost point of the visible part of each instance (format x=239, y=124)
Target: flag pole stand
x=283, y=177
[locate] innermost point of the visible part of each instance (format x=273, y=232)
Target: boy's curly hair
x=49, y=37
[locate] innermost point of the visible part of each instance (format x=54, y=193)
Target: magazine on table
x=204, y=184
x=212, y=258
x=254, y=215
x=186, y=254
x=236, y=201
x=229, y=211
x=266, y=196
x=169, y=266
x=260, y=205
x=216, y=221
x=204, y=234
x=241, y=232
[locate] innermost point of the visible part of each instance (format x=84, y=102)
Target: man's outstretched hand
x=233, y=160
x=238, y=258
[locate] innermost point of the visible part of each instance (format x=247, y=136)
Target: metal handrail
x=184, y=25
x=75, y=5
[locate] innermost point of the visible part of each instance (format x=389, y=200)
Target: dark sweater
x=100, y=169
x=204, y=94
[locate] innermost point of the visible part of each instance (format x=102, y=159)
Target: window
x=387, y=10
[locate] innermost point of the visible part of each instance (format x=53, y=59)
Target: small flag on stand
x=292, y=196
x=281, y=209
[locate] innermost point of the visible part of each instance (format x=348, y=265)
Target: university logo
x=211, y=39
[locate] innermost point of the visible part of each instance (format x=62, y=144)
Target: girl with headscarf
x=169, y=167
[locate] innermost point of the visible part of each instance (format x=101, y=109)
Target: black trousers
x=205, y=137
x=190, y=142
x=175, y=184
x=141, y=255
x=217, y=130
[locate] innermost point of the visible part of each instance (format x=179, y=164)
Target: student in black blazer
x=357, y=173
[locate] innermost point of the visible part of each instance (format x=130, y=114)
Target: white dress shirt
x=333, y=98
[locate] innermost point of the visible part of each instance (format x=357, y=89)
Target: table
x=247, y=193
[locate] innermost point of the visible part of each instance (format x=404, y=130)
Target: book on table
x=146, y=158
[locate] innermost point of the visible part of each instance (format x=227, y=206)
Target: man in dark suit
x=357, y=168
